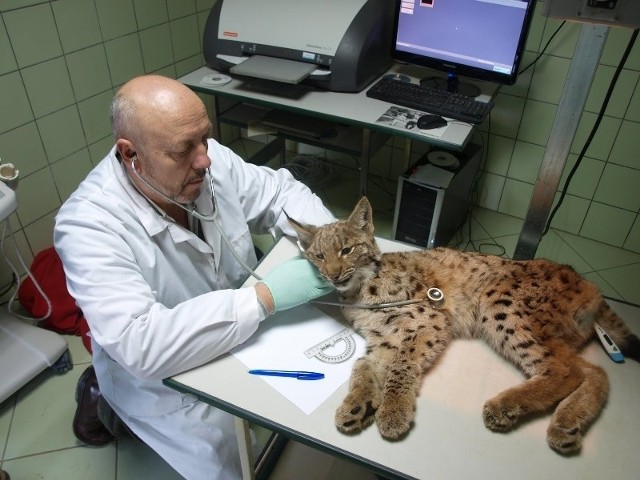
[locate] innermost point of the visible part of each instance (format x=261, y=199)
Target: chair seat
x=25, y=351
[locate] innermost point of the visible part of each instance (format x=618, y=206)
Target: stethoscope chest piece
x=436, y=297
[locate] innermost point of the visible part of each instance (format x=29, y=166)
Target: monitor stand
x=451, y=84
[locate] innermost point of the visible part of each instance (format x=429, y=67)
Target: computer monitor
x=477, y=39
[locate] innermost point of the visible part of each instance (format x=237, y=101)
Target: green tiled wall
x=603, y=200
x=61, y=60
x=60, y=63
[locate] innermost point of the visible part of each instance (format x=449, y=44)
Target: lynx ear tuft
x=305, y=232
x=362, y=217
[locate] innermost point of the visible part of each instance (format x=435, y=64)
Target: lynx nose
x=332, y=276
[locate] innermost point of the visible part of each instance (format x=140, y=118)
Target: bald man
x=140, y=241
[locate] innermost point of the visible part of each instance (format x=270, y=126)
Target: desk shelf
x=361, y=133
x=348, y=139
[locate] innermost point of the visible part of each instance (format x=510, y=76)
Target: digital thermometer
x=609, y=345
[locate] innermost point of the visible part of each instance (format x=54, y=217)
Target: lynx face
x=345, y=252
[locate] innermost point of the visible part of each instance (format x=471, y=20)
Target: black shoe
x=87, y=426
x=113, y=422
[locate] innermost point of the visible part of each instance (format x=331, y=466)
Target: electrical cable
x=476, y=181
x=9, y=285
x=312, y=171
x=473, y=191
x=7, y=226
x=594, y=129
x=494, y=243
x=544, y=49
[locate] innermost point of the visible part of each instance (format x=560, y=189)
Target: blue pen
x=300, y=375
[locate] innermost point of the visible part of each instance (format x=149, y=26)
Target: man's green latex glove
x=295, y=282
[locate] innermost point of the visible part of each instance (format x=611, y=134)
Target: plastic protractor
x=332, y=350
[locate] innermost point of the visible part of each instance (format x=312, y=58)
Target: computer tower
x=433, y=196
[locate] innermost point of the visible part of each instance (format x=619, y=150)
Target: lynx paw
x=500, y=417
x=354, y=416
x=394, y=419
x=564, y=439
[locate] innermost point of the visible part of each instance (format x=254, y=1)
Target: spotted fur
x=537, y=314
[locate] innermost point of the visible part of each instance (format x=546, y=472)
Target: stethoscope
x=435, y=295
x=192, y=210
x=212, y=217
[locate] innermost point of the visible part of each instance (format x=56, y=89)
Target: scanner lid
x=305, y=25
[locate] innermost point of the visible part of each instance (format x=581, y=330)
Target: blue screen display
x=476, y=38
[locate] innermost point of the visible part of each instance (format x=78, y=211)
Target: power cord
x=312, y=171
x=7, y=288
x=594, y=129
x=544, y=49
x=7, y=226
x=473, y=193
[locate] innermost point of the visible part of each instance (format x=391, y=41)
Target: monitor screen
x=479, y=39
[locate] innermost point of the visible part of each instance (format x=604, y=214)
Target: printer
x=337, y=45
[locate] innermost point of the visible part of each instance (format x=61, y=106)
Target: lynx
x=537, y=314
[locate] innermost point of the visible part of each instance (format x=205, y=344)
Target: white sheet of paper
x=280, y=344
x=303, y=327
x=270, y=348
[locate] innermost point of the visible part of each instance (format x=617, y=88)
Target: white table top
x=349, y=108
x=448, y=440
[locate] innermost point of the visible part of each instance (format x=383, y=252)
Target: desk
x=354, y=110
x=449, y=440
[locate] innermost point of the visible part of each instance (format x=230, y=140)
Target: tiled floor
x=36, y=440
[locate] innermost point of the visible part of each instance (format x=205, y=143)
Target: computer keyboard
x=431, y=100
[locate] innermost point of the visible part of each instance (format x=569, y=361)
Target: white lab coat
x=159, y=300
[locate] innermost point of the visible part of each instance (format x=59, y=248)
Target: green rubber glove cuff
x=295, y=282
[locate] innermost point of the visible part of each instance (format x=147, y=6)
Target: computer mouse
x=429, y=121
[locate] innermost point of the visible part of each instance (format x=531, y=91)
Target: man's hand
x=264, y=296
x=291, y=284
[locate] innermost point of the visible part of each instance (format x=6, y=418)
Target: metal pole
x=244, y=445
x=574, y=96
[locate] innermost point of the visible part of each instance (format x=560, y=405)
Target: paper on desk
x=403, y=118
x=280, y=343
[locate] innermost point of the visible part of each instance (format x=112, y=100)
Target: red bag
x=66, y=316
